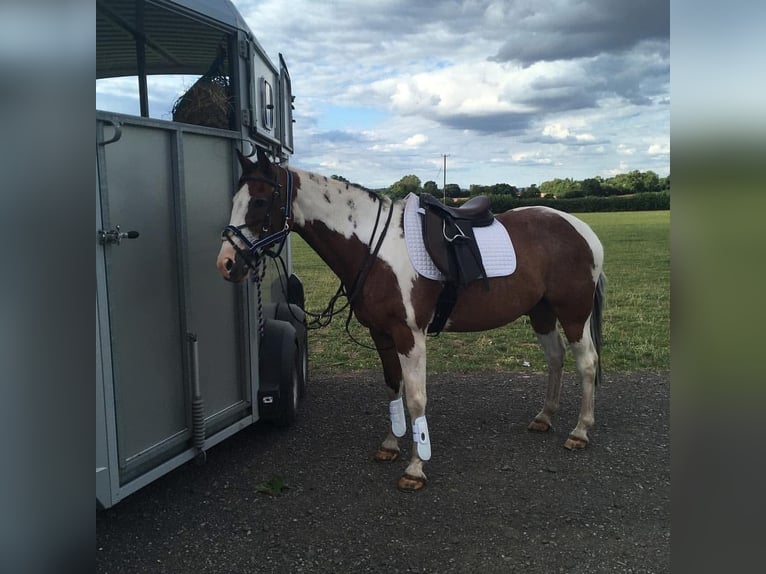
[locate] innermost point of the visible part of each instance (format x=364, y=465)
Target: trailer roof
x=180, y=35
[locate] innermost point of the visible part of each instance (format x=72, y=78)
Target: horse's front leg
x=388, y=451
x=412, y=357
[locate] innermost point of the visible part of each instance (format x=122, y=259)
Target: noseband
x=254, y=249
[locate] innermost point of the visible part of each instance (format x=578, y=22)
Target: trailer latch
x=115, y=235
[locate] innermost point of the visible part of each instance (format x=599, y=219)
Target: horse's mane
x=374, y=196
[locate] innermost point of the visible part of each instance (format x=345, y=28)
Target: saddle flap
x=433, y=238
x=453, y=248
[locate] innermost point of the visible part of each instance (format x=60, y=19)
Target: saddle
x=449, y=238
x=450, y=241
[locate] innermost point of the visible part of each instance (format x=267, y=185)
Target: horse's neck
x=336, y=220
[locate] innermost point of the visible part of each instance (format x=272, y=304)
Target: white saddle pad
x=497, y=253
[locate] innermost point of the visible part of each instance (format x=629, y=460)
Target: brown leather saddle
x=449, y=238
x=450, y=241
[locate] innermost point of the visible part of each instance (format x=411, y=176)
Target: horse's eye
x=257, y=203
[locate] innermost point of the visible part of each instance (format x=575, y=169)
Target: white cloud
x=514, y=91
x=624, y=149
x=556, y=131
x=416, y=140
x=622, y=168
x=531, y=158
x=476, y=89
x=412, y=142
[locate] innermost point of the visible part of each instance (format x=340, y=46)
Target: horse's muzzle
x=237, y=269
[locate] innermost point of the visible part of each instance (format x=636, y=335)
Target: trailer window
x=121, y=94
x=164, y=63
x=267, y=104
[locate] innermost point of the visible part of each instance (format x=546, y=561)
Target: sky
x=517, y=91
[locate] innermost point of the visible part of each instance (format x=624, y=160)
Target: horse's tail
x=595, y=320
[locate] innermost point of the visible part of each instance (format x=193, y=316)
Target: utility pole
x=444, y=187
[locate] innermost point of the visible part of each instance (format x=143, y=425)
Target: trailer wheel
x=279, y=369
x=290, y=392
x=297, y=319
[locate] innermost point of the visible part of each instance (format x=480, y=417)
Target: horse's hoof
x=539, y=426
x=384, y=454
x=409, y=483
x=574, y=442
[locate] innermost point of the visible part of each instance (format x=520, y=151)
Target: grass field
x=636, y=318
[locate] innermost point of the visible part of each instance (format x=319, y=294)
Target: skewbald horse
x=558, y=278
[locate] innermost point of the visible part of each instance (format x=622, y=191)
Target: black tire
x=290, y=392
x=297, y=319
x=279, y=370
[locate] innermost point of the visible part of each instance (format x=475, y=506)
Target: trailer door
x=159, y=294
x=286, y=106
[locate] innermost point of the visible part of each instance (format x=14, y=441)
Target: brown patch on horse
x=244, y=162
x=379, y=305
x=540, y=238
x=425, y=293
x=392, y=367
x=382, y=308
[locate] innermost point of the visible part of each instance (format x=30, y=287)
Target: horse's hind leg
x=544, y=323
x=586, y=360
x=388, y=451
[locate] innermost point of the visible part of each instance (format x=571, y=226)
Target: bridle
x=254, y=250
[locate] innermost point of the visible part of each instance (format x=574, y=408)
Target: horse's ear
x=264, y=164
x=246, y=164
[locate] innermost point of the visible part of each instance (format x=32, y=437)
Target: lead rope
x=258, y=273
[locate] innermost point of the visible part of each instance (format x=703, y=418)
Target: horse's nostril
x=229, y=264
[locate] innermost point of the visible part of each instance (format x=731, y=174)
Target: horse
x=360, y=235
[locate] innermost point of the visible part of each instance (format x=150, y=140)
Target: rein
x=371, y=255
x=324, y=318
x=367, y=265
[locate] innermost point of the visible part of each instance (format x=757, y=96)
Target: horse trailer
x=178, y=350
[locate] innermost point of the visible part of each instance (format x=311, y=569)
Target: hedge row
x=638, y=202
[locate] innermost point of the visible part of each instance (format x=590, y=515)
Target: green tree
x=591, y=186
x=621, y=184
x=636, y=181
x=560, y=188
x=431, y=187
x=453, y=190
x=504, y=189
x=530, y=192
x=408, y=184
x=651, y=181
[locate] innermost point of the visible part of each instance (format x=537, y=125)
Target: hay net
x=208, y=102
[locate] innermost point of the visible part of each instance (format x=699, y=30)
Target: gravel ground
x=499, y=498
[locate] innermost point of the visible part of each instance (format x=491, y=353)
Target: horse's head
x=258, y=211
